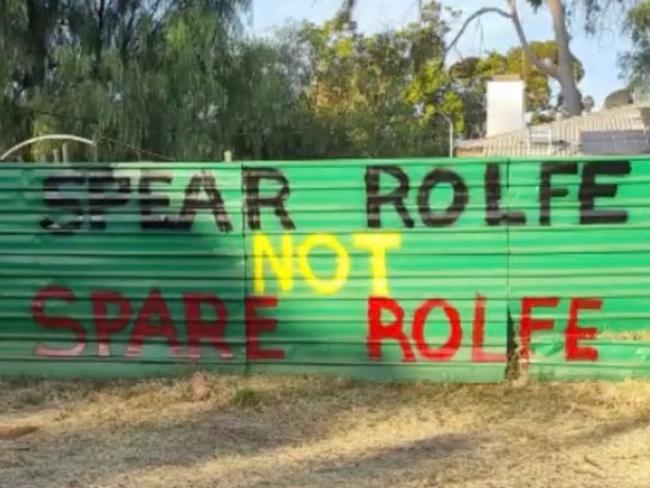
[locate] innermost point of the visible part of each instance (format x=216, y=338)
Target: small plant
x=247, y=398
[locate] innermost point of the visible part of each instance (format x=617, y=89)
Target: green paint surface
x=122, y=258
x=462, y=263
x=328, y=333
x=608, y=262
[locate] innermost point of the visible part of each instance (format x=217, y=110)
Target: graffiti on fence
x=391, y=208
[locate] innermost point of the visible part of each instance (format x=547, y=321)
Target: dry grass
x=315, y=432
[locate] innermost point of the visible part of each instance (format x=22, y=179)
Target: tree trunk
x=99, y=36
x=563, y=71
x=571, y=96
x=565, y=63
x=38, y=30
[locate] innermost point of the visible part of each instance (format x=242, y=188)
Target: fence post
x=66, y=154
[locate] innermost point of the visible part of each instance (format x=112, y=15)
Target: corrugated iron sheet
x=74, y=258
x=328, y=331
x=602, y=268
x=380, y=269
x=564, y=134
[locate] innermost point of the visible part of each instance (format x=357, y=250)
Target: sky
x=598, y=54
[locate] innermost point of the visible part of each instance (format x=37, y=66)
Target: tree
x=561, y=69
x=155, y=75
x=472, y=74
x=381, y=94
x=175, y=79
x=636, y=63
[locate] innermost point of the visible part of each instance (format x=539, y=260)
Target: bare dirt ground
x=313, y=432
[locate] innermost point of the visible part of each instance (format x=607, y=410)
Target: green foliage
x=153, y=78
x=600, y=15
x=247, y=398
x=472, y=74
x=179, y=80
x=383, y=94
x=636, y=63
x=596, y=14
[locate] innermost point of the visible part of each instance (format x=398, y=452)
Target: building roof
x=568, y=137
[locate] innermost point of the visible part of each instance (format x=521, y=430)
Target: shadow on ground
x=305, y=431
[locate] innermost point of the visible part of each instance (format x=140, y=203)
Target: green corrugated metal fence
x=594, y=260
x=94, y=259
x=381, y=269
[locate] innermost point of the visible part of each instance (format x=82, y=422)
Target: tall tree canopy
x=562, y=67
x=384, y=92
x=177, y=79
x=148, y=73
x=471, y=75
x=636, y=63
